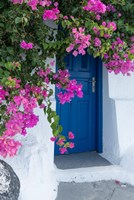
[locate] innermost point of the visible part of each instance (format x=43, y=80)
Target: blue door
x=79, y=116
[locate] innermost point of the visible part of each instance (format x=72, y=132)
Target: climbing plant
x=29, y=44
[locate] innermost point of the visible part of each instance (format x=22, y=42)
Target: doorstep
x=80, y=160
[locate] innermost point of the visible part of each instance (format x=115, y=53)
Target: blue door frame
x=98, y=108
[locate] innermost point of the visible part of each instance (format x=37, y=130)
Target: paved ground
x=101, y=190
x=80, y=160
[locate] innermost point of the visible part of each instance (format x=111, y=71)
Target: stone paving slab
x=100, y=190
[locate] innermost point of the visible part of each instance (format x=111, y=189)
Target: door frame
x=99, y=106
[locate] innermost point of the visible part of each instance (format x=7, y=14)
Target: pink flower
x=51, y=14
x=44, y=94
x=75, y=53
x=25, y=45
x=63, y=150
x=119, y=14
x=3, y=94
x=97, y=42
x=65, y=17
x=110, y=8
x=33, y=4
x=52, y=63
x=30, y=45
x=96, y=7
x=60, y=142
x=8, y=146
x=71, y=145
x=70, y=48
x=42, y=105
x=132, y=39
x=70, y=135
x=80, y=43
x=53, y=139
x=45, y=3
x=56, y=4
x=96, y=30
x=112, y=25
x=104, y=24
x=18, y=1
x=98, y=17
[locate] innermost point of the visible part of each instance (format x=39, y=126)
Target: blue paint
x=99, y=108
x=83, y=116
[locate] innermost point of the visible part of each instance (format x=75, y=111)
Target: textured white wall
x=118, y=116
x=34, y=163
x=110, y=135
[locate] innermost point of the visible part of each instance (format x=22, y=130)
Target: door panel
x=79, y=116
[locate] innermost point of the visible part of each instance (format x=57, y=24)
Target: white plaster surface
x=92, y=174
x=111, y=149
x=121, y=87
x=34, y=163
x=118, y=115
x=127, y=160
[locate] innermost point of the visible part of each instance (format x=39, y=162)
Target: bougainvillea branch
x=101, y=28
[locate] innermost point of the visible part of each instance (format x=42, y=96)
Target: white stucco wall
x=34, y=163
x=118, y=116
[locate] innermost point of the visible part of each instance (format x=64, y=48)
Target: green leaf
x=56, y=119
x=18, y=20
x=56, y=133
x=60, y=129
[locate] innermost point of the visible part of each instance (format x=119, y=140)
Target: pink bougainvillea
x=8, y=146
x=51, y=14
x=25, y=45
x=95, y=6
x=80, y=43
x=23, y=90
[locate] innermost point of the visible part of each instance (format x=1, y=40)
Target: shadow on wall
x=110, y=132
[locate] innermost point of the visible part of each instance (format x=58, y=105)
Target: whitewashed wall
x=34, y=163
x=118, y=118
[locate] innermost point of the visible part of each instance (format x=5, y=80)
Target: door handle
x=93, y=81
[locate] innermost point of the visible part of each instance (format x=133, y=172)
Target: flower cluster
x=33, y=3
x=21, y=104
x=110, y=8
x=8, y=146
x=95, y=6
x=119, y=61
x=52, y=13
x=25, y=45
x=80, y=43
x=105, y=30
x=63, y=144
x=20, y=117
x=3, y=94
x=68, y=88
